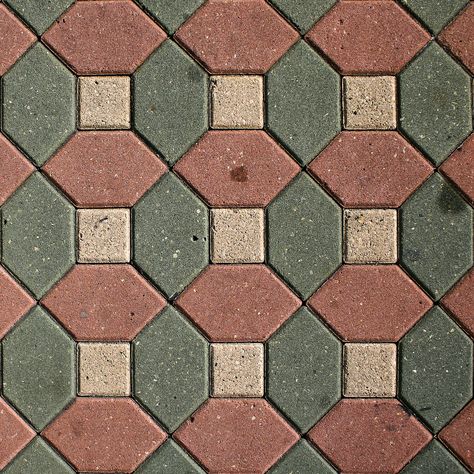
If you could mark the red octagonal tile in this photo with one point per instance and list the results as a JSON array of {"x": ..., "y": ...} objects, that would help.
[
  {"x": 370, "y": 302},
  {"x": 104, "y": 435},
  {"x": 238, "y": 302},
  {"x": 241, "y": 436},
  {"x": 103, "y": 302},
  {"x": 237, "y": 168}
]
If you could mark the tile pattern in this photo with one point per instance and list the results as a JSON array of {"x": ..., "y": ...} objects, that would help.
[{"x": 236, "y": 236}]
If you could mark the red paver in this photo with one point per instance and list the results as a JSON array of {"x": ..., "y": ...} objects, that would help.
[
  {"x": 104, "y": 302},
  {"x": 369, "y": 436},
  {"x": 14, "y": 302},
  {"x": 237, "y": 168},
  {"x": 370, "y": 169},
  {"x": 104, "y": 434},
  {"x": 105, "y": 169},
  {"x": 243, "y": 436},
  {"x": 238, "y": 303},
  {"x": 459, "y": 37},
  {"x": 15, "y": 168},
  {"x": 459, "y": 167},
  {"x": 242, "y": 36},
  {"x": 104, "y": 37},
  {"x": 374, "y": 36},
  {"x": 15, "y": 434},
  {"x": 15, "y": 39},
  {"x": 363, "y": 303}
]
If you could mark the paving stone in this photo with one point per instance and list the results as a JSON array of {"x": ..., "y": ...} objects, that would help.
[
  {"x": 237, "y": 101},
  {"x": 370, "y": 169},
  {"x": 171, "y": 368},
  {"x": 103, "y": 302},
  {"x": 244, "y": 37},
  {"x": 237, "y": 168},
  {"x": 173, "y": 256},
  {"x": 171, "y": 101},
  {"x": 237, "y": 235},
  {"x": 301, "y": 89},
  {"x": 368, "y": 37},
  {"x": 233, "y": 436},
  {"x": 237, "y": 370},
  {"x": 435, "y": 103},
  {"x": 305, "y": 356},
  {"x": 94, "y": 169},
  {"x": 436, "y": 227},
  {"x": 104, "y": 434},
  {"x": 104, "y": 369},
  {"x": 38, "y": 234},
  {"x": 436, "y": 364},
  {"x": 39, "y": 369},
  {"x": 104, "y": 37},
  {"x": 304, "y": 235},
  {"x": 369, "y": 436},
  {"x": 354, "y": 299},
  {"x": 238, "y": 303},
  {"x": 39, "y": 103}
]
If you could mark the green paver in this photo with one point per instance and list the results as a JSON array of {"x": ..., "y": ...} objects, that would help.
[
  {"x": 38, "y": 458},
  {"x": 435, "y": 103},
  {"x": 434, "y": 459},
  {"x": 304, "y": 369},
  {"x": 39, "y": 375},
  {"x": 304, "y": 235},
  {"x": 171, "y": 368},
  {"x": 39, "y": 103},
  {"x": 38, "y": 234},
  {"x": 303, "y": 102},
  {"x": 171, "y": 228},
  {"x": 169, "y": 459},
  {"x": 171, "y": 96},
  {"x": 436, "y": 235},
  {"x": 302, "y": 459},
  {"x": 436, "y": 368}
]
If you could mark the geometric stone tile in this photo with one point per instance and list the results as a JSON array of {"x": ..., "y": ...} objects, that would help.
[
  {"x": 103, "y": 302},
  {"x": 364, "y": 303},
  {"x": 304, "y": 369},
  {"x": 39, "y": 103},
  {"x": 369, "y": 436},
  {"x": 39, "y": 367},
  {"x": 368, "y": 37},
  {"x": 370, "y": 169},
  {"x": 435, "y": 103},
  {"x": 104, "y": 434},
  {"x": 171, "y": 228},
  {"x": 104, "y": 37},
  {"x": 304, "y": 235},
  {"x": 237, "y": 37},
  {"x": 436, "y": 229},
  {"x": 171, "y": 368},
  {"x": 95, "y": 170},
  {"x": 237, "y": 168},
  {"x": 436, "y": 364},
  {"x": 238, "y": 303},
  {"x": 301, "y": 89},
  {"x": 236, "y": 435}
]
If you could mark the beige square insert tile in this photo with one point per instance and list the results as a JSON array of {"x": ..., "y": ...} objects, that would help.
[
  {"x": 370, "y": 370},
  {"x": 370, "y": 235},
  {"x": 237, "y": 102},
  {"x": 237, "y": 236},
  {"x": 103, "y": 235},
  {"x": 370, "y": 103},
  {"x": 104, "y": 368},
  {"x": 104, "y": 102},
  {"x": 237, "y": 370}
]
